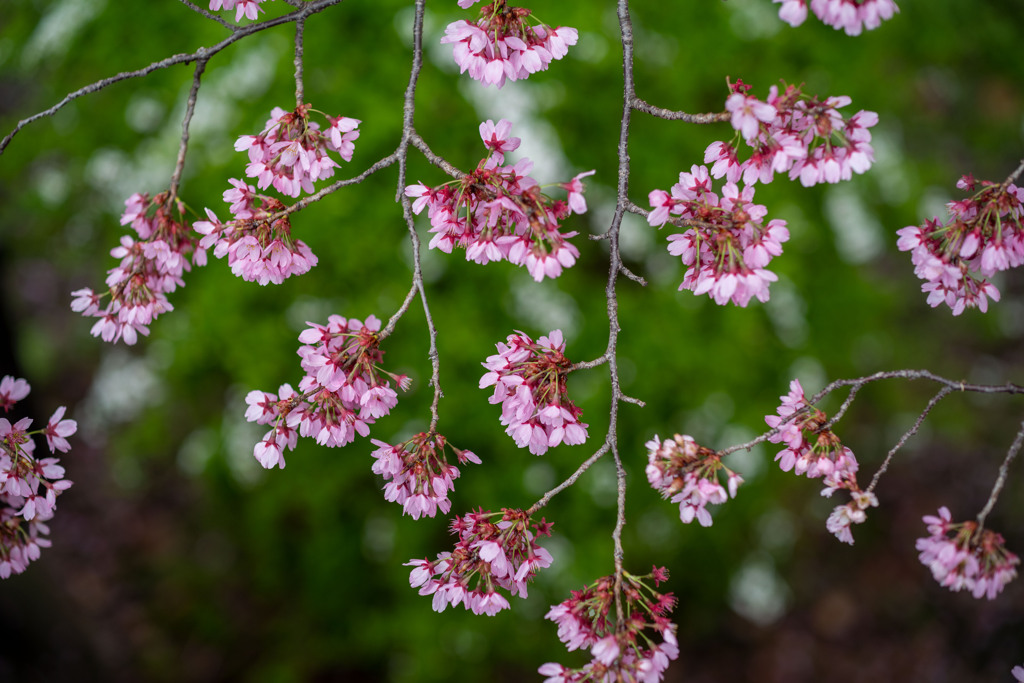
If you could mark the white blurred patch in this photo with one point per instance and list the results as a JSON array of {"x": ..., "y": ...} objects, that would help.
[
  {"x": 748, "y": 464},
  {"x": 811, "y": 374},
  {"x": 240, "y": 437},
  {"x": 602, "y": 482},
  {"x": 757, "y": 592},
  {"x": 123, "y": 387},
  {"x": 143, "y": 113},
  {"x": 538, "y": 478},
  {"x": 196, "y": 451},
  {"x": 51, "y": 184},
  {"x": 859, "y": 234},
  {"x": 544, "y": 306},
  {"x": 754, "y": 19},
  {"x": 56, "y": 30},
  {"x": 788, "y": 313}
]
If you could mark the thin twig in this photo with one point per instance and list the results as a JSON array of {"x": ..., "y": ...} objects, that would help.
[
  {"x": 190, "y": 107},
  {"x": 662, "y": 113},
  {"x": 586, "y": 465},
  {"x": 1001, "y": 479},
  {"x": 943, "y": 392},
  {"x": 408, "y": 134},
  {"x": 337, "y": 185},
  {"x": 209, "y": 15},
  {"x": 420, "y": 144},
  {"x": 1013, "y": 176},
  {"x": 300, "y": 27}
]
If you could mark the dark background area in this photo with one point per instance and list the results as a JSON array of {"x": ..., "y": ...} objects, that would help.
[{"x": 175, "y": 557}]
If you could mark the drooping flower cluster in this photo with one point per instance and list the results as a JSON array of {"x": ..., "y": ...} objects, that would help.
[
  {"x": 852, "y": 16},
  {"x": 343, "y": 392},
  {"x": 727, "y": 246},
  {"x": 150, "y": 268},
  {"x": 249, "y": 9},
  {"x": 499, "y": 212},
  {"x": 418, "y": 474},
  {"x": 29, "y": 486},
  {"x": 588, "y": 620},
  {"x": 494, "y": 550},
  {"x": 501, "y": 44},
  {"x": 687, "y": 473},
  {"x": 962, "y": 557},
  {"x": 258, "y": 243},
  {"x": 292, "y": 151},
  {"x": 982, "y": 236},
  {"x": 815, "y": 450},
  {"x": 530, "y": 381},
  {"x": 792, "y": 133}
]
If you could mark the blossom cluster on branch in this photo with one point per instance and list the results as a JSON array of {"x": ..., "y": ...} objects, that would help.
[
  {"x": 494, "y": 550},
  {"x": 343, "y": 391},
  {"x": 501, "y": 45},
  {"x": 150, "y": 268},
  {"x": 852, "y": 16},
  {"x": 621, "y": 650},
  {"x": 29, "y": 485},
  {"x": 530, "y": 381},
  {"x": 982, "y": 236},
  {"x": 966, "y": 557},
  {"x": 500, "y": 213}
]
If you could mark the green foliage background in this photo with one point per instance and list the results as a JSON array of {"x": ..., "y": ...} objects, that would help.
[{"x": 176, "y": 558}]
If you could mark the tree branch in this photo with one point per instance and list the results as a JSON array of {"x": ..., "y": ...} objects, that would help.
[{"x": 202, "y": 53}]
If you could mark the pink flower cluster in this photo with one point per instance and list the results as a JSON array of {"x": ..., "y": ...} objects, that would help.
[
  {"x": 792, "y": 133},
  {"x": 530, "y": 381},
  {"x": 494, "y": 550},
  {"x": 499, "y": 212},
  {"x": 813, "y": 449},
  {"x": 29, "y": 486},
  {"x": 501, "y": 45},
  {"x": 727, "y": 246},
  {"x": 418, "y": 474},
  {"x": 258, "y": 243},
  {"x": 971, "y": 559},
  {"x": 982, "y": 236},
  {"x": 342, "y": 393},
  {"x": 150, "y": 268},
  {"x": 687, "y": 473},
  {"x": 587, "y": 620},
  {"x": 852, "y": 16},
  {"x": 243, "y": 8},
  {"x": 292, "y": 151}
]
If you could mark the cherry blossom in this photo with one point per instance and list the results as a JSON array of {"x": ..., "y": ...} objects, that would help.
[
  {"x": 793, "y": 133},
  {"x": 500, "y": 213},
  {"x": 852, "y": 16},
  {"x": 243, "y": 8},
  {"x": 258, "y": 244},
  {"x": 972, "y": 559},
  {"x": 149, "y": 269},
  {"x": 29, "y": 486},
  {"x": 530, "y": 382},
  {"x": 418, "y": 474},
  {"x": 343, "y": 391},
  {"x": 292, "y": 152},
  {"x": 687, "y": 473},
  {"x": 494, "y": 550},
  {"x": 981, "y": 237},
  {"x": 626, "y": 653},
  {"x": 812, "y": 448},
  {"x": 501, "y": 44},
  {"x": 727, "y": 246}
]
